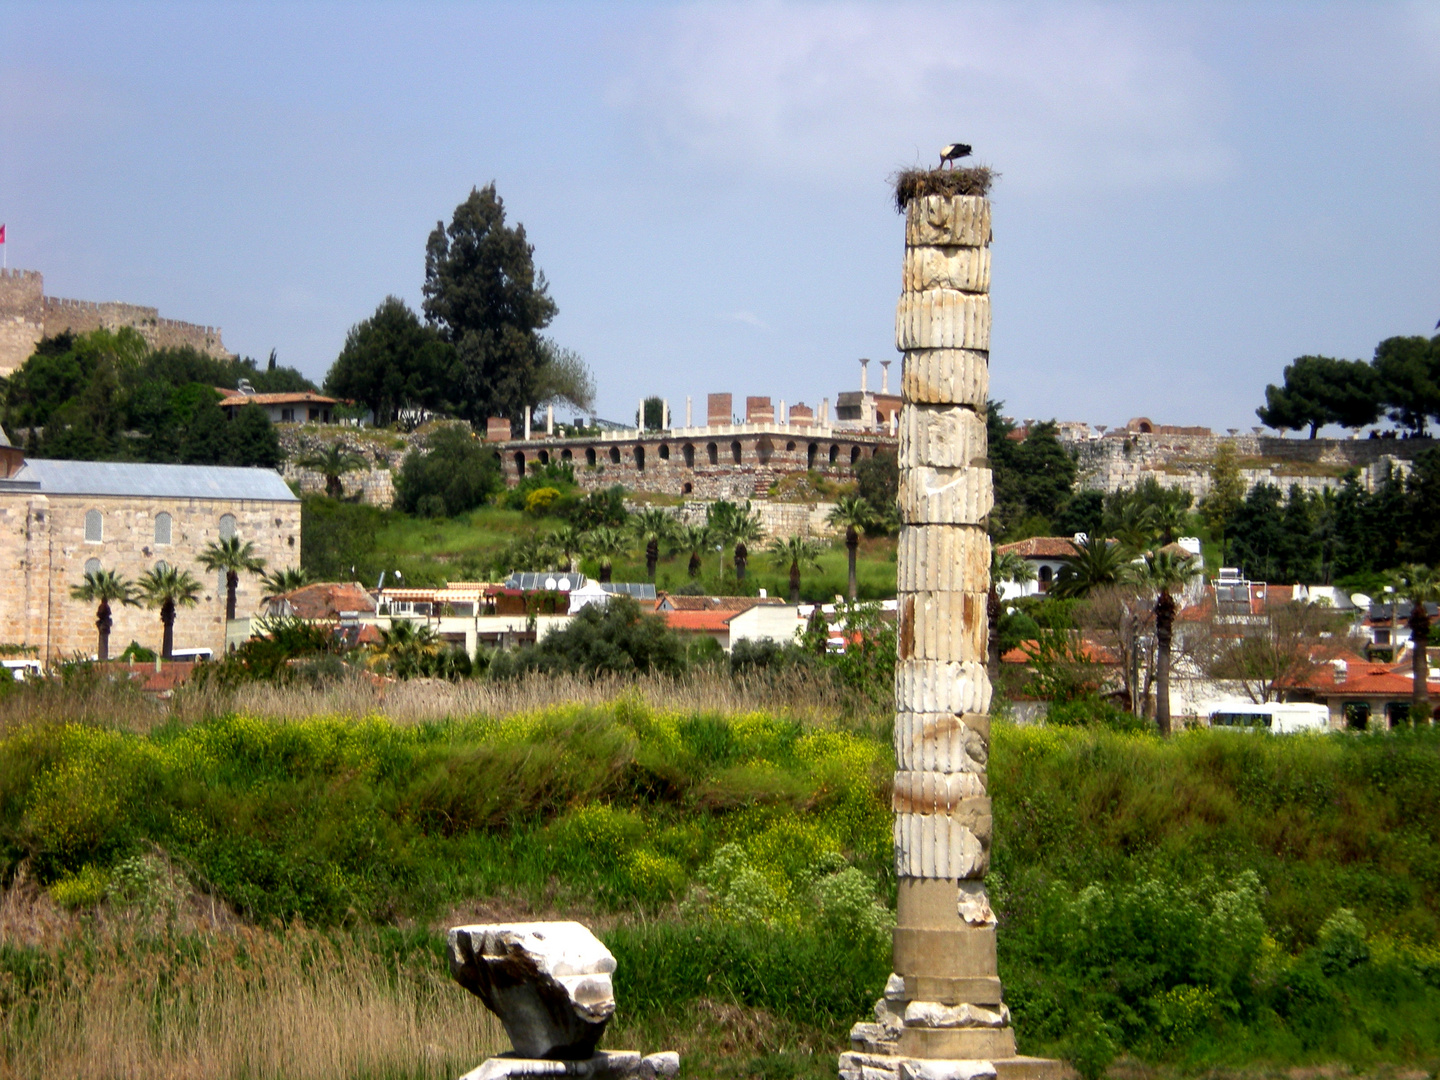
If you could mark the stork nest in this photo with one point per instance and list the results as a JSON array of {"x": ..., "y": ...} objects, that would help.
[{"x": 916, "y": 183}]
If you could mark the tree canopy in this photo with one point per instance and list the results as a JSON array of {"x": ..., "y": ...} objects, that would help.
[
  {"x": 489, "y": 301},
  {"x": 106, "y": 396},
  {"x": 392, "y": 362},
  {"x": 1401, "y": 382}
]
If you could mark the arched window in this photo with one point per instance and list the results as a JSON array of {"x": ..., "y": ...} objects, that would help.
[
  {"x": 590, "y": 456},
  {"x": 735, "y": 451},
  {"x": 520, "y": 464},
  {"x": 714, "y": 452},
  {"x": 763, "y": 449},
  {"x": 161, "y": 566},
  {"x": 92, "y": 566},
  {"x": 854, "y": 454},
  {"x": 640, "y": 458},
  {"x": 544, "y": 457},
  {"x": 834, "y": 454},
  {"x": 789, "y": 447},
  {"x": 162, "y": 528},
  {"x": 614, "y": 455},
  {"x": 810, "y": 454},
  {"x": 227, "y": 526},
  {"x": 565, "y": 454},
  {"x": 94, "y": 527},
  {"x": 689, "y": 455},
  {"x": 664, "y": 451}
]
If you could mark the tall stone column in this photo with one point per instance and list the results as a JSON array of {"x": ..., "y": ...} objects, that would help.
[{"x": 943, "y": 1015}]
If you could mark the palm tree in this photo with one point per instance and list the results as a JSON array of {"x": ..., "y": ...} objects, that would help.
[
  {"x": 1003, "y": 567},
  {"x": 1097, "y": 562},
  {"x": 569, "y": 542},
  {"x": 232, "y": 556},
  {"x": 102, "y": 587},
  {"x": 795, "y": 550},
  {"x": 1166, "y": 573},
  {"x": 286, "y": 580},
  {"x": 856, "y": 515},
  {"x": 652, "y": 527},
  {"x": 605, "y": 542},
  {"x": 1420, "y": 585},
  {"x": 333, "y": 462},
  {"x": 744, "y": 530},
  {"x": 1169, "y": 518},
  {"x": 168, "y": 589},
  {"x": 692, "y": 539},
  {"x": 406, "y": 649},
  {"x": 1133, "y": 524},
  {"x": 720, "y": 518}
]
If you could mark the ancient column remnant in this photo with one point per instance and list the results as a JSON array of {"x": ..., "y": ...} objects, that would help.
[{"x": 943, "y": 1016}]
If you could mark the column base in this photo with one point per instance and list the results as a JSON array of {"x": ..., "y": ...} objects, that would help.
[{"x": 859, "y": 1065}]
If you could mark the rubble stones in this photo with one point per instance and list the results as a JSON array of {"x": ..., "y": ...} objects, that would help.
[{"x": 549, "y": 983}]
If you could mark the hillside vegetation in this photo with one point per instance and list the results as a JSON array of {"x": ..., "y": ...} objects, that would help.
[{"x": 1215, "y": 900}]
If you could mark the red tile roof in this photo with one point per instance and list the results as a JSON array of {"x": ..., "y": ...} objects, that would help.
[
  {"x": 325, "y": 600},
  {"x": 714, "y": 603},
  {"x": 1361, "y": 679},
  {"x": 711, "y": 622},
  {"x": 1041, "y": 547},
  {"x": 234, "y": 397},
  {"x": 1026, "y": 650}
]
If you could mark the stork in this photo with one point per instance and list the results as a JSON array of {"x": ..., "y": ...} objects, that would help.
[{"x": 954, "y": 152}]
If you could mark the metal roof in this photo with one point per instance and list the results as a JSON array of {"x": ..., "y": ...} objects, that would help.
[
  {"x": 152, "y": 481},
  {"x": 534, "y": 582},
  {"x": 638, "y": 590}
]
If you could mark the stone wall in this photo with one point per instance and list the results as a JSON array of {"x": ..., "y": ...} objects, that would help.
[
  {"x": 27, "y": 315},
  {"x": 1183, "y": 461},
  {"x": 43, "y": 553},
  {"x": 740, "y": 461},
  {"x": 777, "y": 519},
  {"x": 382, "y": 450}
]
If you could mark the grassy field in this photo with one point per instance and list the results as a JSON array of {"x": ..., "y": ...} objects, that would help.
[
  {"x": 432, "y": 551},
  {"x": 244, "y": 864}
]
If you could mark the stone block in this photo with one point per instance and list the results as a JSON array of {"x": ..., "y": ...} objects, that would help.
[
  {"x": 947, "y": 221},
  {"x": 938, "y": 686},
  {"x": 984, "y": 1043},
  {"x": 953, "y": 496},
  {"x": 943, "y": 558},
  {"x": 548, "y": 982},
  {"x": 942, "y": 319},
  {"x": 946, "y": 377},
  {"x": 965, "y": 269},
  {"x": 942, "y": 846},
  {"x": 946, "y": 1070},
  {"x": 943, "y": 793},
  {"x": 943, "y": 626},
  {"x": 948, "y": 954},
  {"x": 933, "y": 1014},
  {"x": 942, "y": 436},
  {"x": 941, "y": 743},
  {"x": 859, "y": 1065},
  {"x": 982, "y": 990}
]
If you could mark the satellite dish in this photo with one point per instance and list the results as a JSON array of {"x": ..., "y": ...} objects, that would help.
[{"x": 1360, "y": 600}]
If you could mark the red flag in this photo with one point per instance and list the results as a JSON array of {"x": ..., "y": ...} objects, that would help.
[{"x": 2, "y": 234}]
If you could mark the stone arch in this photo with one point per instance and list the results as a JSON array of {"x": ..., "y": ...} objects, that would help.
[
  {"x": 854, "y": 454},
  {"x": 664, "y": 451},
  {"x": 94, "y": 527},
  {"x": 544, "y": 457},
  {"x": 763, "y": 450},
  {"x": 228, "y": 526},
  {"x": 811, "y": 452},
  {"x": 689, "y": 453},
  {"x": 688, "y": 488},
  {"x": 714, "y": 452},
  {"x": 590, "y": 456},
  {"x": 735, "y": 452},
  {"x": 614, "y": 455},
  {"x": 566, "y": 455},
  {"x": 640, "y": 459},
  {"x": 520, "y": 463},
  {"x": 834, "y": 453},
  {"x": 790, "y": 447},
  {"x": 163, "y": 524}
]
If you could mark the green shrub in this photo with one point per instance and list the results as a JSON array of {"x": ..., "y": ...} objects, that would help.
[
  {"x": 616, "y": 638},
  {"x": 454, "y": 466}
]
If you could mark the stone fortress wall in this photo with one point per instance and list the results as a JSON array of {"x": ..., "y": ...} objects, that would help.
[
  {"x": 1183, "y": 460},
  {"x": 27, "y": 315}
]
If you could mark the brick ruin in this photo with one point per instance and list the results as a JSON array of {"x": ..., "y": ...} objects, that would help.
[{"x": 27, "y": 315}]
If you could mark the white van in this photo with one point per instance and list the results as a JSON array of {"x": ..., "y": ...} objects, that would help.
[
  {"x": 20, "y": 670},
  {"x": 194, "y": 655},
  {"x": 1275, "y": 717}
]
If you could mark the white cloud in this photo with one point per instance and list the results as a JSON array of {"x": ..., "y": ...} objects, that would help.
[{"x": 1053, "y": 95}]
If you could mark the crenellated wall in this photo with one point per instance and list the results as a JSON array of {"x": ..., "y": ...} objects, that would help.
[{"x": 27, "y": 315}]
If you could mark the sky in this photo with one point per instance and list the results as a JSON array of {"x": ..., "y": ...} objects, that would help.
[{"x": 1190, "y": 195}]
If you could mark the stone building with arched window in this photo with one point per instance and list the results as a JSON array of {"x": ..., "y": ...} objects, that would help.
[{"x": 60, "y": 519}]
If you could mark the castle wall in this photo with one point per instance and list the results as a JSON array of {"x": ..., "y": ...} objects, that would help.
[
  {"x": 43, "y": 552},
  {"x": 27, "y": 315}
]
